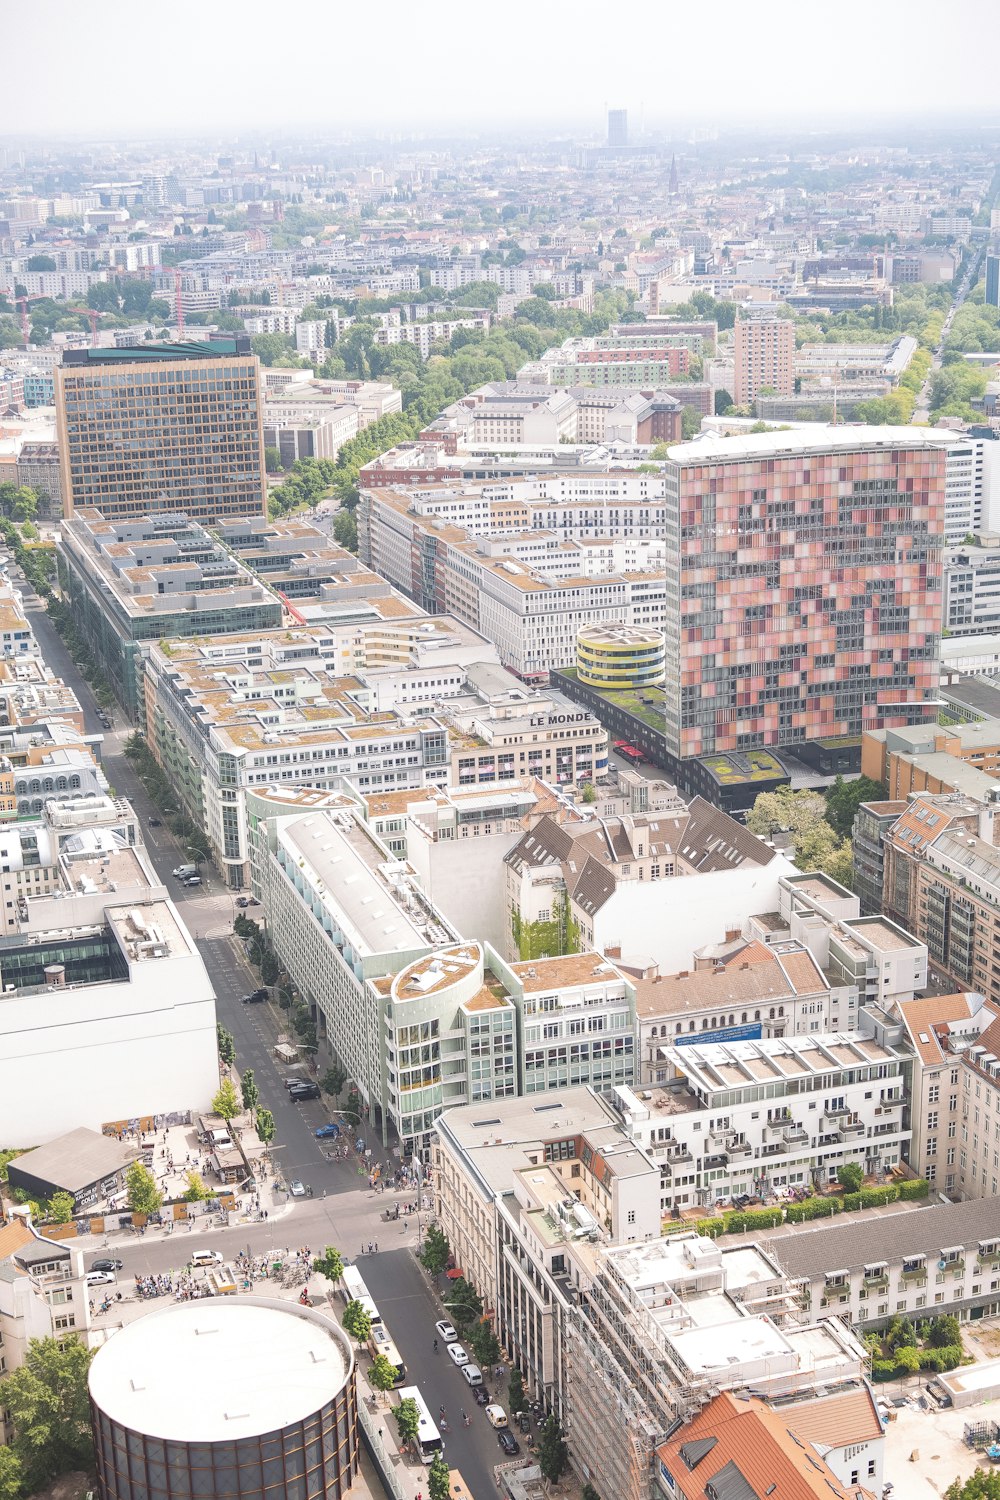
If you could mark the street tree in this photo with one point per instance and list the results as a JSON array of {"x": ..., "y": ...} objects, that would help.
[
  {"x": 272, "y": 460},
  {"x": 464, "y": 1304},
  {"x": 407, "y": 1419},
  {"x": 436, "y": 1253},
  {"x": 225, "y": 1102},
  {"x": 250, "y": 1091},
  {"x": 439, "y": 1478},
  {"x": 226, "y": 1043},
  {"x": 11, "y": 1475},
  {"x": 485, "y": 1344},
  {"x": 982, "y": 1485},
  {"x": 333, "y": 1080},
  {"x": 552, "y": 1452},
  {"x": 382, "y": 1374},
  {"x": 851, "y": 1176},
  {"x": 46, "y": 1399},
  {"x": 330, "y": 1264},
  {"x": 61, "y": 1206},
  {"x": 142, "y": 1194},
  {"x": 357, "y": 1321},
  {"x": 196, "y": 1192},
  {"x": 265, "y": 1126},
  {"x": 845, "y": 797},
  {"x": 515, "y": 1390}
]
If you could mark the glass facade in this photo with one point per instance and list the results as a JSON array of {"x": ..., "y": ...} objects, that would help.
[
  {"x": 804, "y": 601},
  {"x": 178, "y": 435}
]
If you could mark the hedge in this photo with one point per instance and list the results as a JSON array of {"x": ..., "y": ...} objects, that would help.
[
  {"x": 814, "y": 1208},
  {"x": 738, "y": 1221}
]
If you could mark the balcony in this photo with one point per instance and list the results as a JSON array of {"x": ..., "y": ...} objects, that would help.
[
  {"x": 738, "y": 1148},
  {"x": 795, "y": 1135},
  {"x": 848, "y": 1129},
  {"x": 773, "y": 1148}
]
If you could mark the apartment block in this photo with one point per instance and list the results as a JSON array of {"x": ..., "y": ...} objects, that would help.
[
  {"x": 943, "y": 1260},
  {"x": 764, "y": 354},
  {"x": 724, "y": 1130},
  {"x": 162, "y": 428},
  {"x": 133, "y": 582},
  {"x": 972, "y": 590},
  {"x": 804, "y": 573},
  {"x": 610, "y": 880},
  {"x": 42, "y": 1294},
  {"x": 228, "y": 714},
  {"x": 963, "y": 758},
  {"x": 434, "y": 547}
]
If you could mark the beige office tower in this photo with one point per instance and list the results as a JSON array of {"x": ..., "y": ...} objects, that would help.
[{"x": 162, "y": 428}]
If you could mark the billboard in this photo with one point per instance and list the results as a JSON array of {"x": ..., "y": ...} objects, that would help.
[{"x": 749, "y": 1033}]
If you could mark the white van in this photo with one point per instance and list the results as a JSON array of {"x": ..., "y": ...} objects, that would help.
[
  {"x": 473, "y": 1374},
  {"x": 184, "y": 872}
]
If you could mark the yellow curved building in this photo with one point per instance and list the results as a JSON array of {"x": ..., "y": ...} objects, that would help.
[{"x": 620, "y": 656}]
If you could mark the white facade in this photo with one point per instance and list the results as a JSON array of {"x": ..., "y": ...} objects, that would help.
[
  {"x": 141, "y": 1040},
  {"x": 665, "y": 921},
  {"x": 756, "y": 1117},
  {"x": 42, "y": 1296}
]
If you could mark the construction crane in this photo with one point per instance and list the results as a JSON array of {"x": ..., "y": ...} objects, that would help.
[
  {"x": 22, "y": 302},
  {"x": 93, "y": 315},
  {"x": 178, "y": 304}
]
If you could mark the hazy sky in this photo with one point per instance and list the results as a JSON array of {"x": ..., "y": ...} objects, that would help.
[{"x": 132, "y": 69}]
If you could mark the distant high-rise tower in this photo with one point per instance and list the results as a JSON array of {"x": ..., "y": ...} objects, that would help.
[
  {"x": 674, "y": 184},
  {"x": 617, "y": 128},
  {"x": 993, "y": 280},
  {"x": 764, "y": 350}
]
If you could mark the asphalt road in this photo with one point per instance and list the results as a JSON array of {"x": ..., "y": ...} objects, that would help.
[{"x": 405, "y": 1300}]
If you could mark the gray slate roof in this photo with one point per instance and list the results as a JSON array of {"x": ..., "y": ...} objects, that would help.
[{"x": 811, "y": 1252}]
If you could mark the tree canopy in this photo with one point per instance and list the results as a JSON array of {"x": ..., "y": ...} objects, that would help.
[
  {"x": 46, "y": 1398},
  {"x": 225, "y": 1101},
  {"x": 142, "y": 1194},
  {"x": 803, "y": 816}
]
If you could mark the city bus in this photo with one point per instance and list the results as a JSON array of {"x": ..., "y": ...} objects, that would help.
[
  {"x": 353, "y": 1289},
  {"x": 428, "y": 1437},
  {"x": 379, "y": 1342}
]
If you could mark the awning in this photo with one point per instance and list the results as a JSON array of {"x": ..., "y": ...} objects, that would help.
[{"x": 455, "y": 1274}]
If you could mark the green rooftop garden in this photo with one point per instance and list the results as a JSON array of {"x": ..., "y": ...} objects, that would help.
[
  {"x": 763, "y": 767},
  {"x": 645, "y": 703}
]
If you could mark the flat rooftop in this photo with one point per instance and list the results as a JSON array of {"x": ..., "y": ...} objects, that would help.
[
  {"x": 713, "y": 448},
  {"x": 810, "y": 1252},
  {"x": 282, "y": 1363},
  {"x": 343, "y": 861}
]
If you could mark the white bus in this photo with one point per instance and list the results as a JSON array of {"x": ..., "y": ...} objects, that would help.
[
  {"x": 379, "y": 1342},
  {"x": 428, "y": 1437},
  {"x": 353, "y": 1289}
]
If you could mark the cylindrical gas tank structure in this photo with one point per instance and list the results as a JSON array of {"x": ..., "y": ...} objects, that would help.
[{"x": 242, "y": 1397}]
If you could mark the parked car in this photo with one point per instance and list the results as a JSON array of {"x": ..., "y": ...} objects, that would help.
[
  {"x": 508, "y": 1442},
  {"x": 206, "y": 1258},
  {"x": 482, "y": 1395},
  {"x": 496, "y": 1416},
  {"x": 255, "y": 997},
  {"x": 107, "y": 1264},
  {"x": 473, "y": 1375},
  {"x": 192, "y": 880},
  {"x": 327, "y": 1132},
  {"x": 457, "y": 1354},
  {"x": 99, "y": 1278},
  {"x": 245, "y": 901},
  {"x": 524, "y": 1421},
  {"x": 305, "y": 1091},
  {"x": 446, "y": 1331},
  {"x": 296, "y": 1189},
  {"x": 156, "y": 822},
  {"x": 296, "y": 1081}
]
